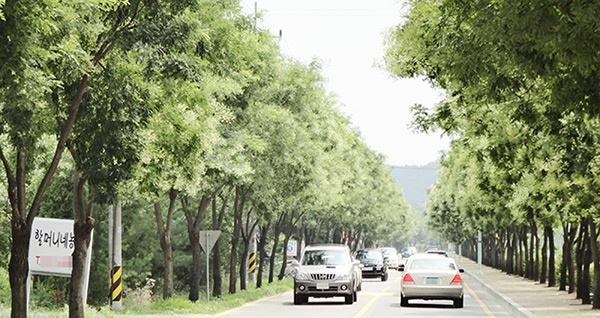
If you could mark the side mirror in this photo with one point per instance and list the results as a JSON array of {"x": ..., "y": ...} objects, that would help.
[
  {"x": 294, "y": 263},
  {"x": 401, "y": 268},
  {"x": 461, "y": 270}
]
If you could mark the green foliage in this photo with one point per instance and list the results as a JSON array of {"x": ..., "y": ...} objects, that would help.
[
  {"x": 4, "y": 286},
  {"x": 181, "y": 305},
  {"x": 188, "y": 96},
  {"x": 4, "y": 238},
  {"x": 49, "y": 292}
]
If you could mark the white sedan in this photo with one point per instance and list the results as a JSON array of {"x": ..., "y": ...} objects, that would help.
[{"x": 431, "y": 277}]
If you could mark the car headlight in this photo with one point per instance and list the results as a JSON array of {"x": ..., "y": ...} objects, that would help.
[
  {"x": 300, "y": 275},
  {"x": 344, "y": 276}
]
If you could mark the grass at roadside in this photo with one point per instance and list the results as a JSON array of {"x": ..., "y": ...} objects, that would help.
[{"x": 178, "y": 305}]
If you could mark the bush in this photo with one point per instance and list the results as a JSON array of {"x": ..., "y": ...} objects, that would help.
[
  {"x": 4, "y": 287},
  {"x": 49, "y": 292}
]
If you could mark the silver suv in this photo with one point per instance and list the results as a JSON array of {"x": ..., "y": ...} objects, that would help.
[{"x": 326, "y": 271}]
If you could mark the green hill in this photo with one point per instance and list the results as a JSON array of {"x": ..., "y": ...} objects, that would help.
[{"x": 414, "y": 182}]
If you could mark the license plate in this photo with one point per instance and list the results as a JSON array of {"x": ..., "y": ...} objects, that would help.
[
  {"x": 432, "y": 280},
  {"x": 367, "y": 269},
  {"x": 322, "y": 286}
]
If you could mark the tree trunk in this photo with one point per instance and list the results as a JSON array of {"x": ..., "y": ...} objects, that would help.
[
  {"x": 276, "y": 231},
  {"x": 247, "y": 228},
  {"x": 235, "y": 239},
  {"x": 523, "y": 252},
  {"x": 530, "y": 260},
  {"x": 194, "y": 293},
  {"x": 244, "y": 265},
  {"x": 217, "y": 223},
  {"x": 501, "y": 254},
  {"x": 510, "y": 257},
  {"x": 587, "y": 257},
  {"x": 18, "y": 267},
  {"x": 82, "y": 230},
  {"x": 21, "y": 220},
  {"x": 290, "y": 228},
  {"x": 217, "y": 277},
  {"x": 596, "y": 261},
  {"x": 571, "y": 263},
  {"x": 262, "y": 253},
  {"x": 537, "y": 261},
  {"x": 579, "y": 251},
  {"x": 193, "y": 226},
  {"x": 565, "y": 259},
  {"x": 164, "y": 234},
  {"x": 544, "y": 271},
  {"x": 284, "y": 263},
  {"x": 233, "y": 259},
  {"x": 551, "y": 258}
]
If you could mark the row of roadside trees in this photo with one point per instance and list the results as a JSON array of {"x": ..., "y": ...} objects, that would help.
[
  {"x": 191, "y": 119},
  {"x": 522, "y": 106}
]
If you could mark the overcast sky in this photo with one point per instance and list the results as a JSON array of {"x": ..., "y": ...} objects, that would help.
[{"x": 347, "y": 37}]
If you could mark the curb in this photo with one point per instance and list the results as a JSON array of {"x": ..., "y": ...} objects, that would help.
[{"x": 512, "y": 306}]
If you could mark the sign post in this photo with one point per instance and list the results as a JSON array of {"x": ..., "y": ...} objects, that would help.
[
  {"x": 207, "y": 241},
  {"x": 51, "y": 248},
  {"x": 292, "y": 248}
]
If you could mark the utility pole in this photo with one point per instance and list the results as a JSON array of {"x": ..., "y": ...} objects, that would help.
[
  {"x": 479, "y": 256},
  {"x": 252, "y": 258},
  {"x": 114, "y": 256},
  {"x": 255, "y": 14}
]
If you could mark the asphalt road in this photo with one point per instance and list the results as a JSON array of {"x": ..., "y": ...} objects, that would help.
[{"x": 376, "y": 300}]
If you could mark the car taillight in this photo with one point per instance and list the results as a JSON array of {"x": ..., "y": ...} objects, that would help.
[
  {"x": 456, "y": 280},
  {"x": 407, "y": 278}
]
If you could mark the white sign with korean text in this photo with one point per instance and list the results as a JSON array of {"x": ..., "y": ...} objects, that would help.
[{"x": 51, "y": 247}]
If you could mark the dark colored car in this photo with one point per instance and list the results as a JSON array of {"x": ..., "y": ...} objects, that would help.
[
  {"x": 374, "y": 263},
  {"x": 408, "y": 251}
]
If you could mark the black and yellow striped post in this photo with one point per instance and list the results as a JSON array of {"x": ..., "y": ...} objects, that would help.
[
  {"x": 114, "y": 257},
  {"x": 252, "y": 263},
  {"x": 116, "y": 285}
]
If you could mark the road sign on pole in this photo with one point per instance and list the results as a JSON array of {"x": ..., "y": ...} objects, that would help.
[
  {"x": 207, "y": 241},
  {"x": 292, "y": 248}
]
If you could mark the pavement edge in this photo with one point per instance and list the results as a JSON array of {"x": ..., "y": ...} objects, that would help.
[{"x": 510, "y": 304}]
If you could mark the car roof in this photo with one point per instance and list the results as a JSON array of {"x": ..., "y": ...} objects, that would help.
[
  {"x": 435, "y": 251},
  {"x": 327, "y": 246},
  {"x": 429, "y": 256}
]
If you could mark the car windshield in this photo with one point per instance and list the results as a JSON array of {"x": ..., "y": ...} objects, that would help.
[
  {"x": 369, "y": 254},
  {"x": 388, "y": 251},
  {"x": 433, "y": 264},
  {"x": 325, "y": 257}
]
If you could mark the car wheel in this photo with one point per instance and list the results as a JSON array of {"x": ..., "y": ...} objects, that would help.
[
  {"x": 459, "y": 302},
  {"x": 349, "y": 299},
  {"x": 403, "y": 301},
  {"x": 300, "y": 299},
  {"x": 384, "y": 277}
]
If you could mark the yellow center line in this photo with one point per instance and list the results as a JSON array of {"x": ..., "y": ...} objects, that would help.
[
  {"x": 480, "y": 302},
  {"x": 366, "y": 307}
]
